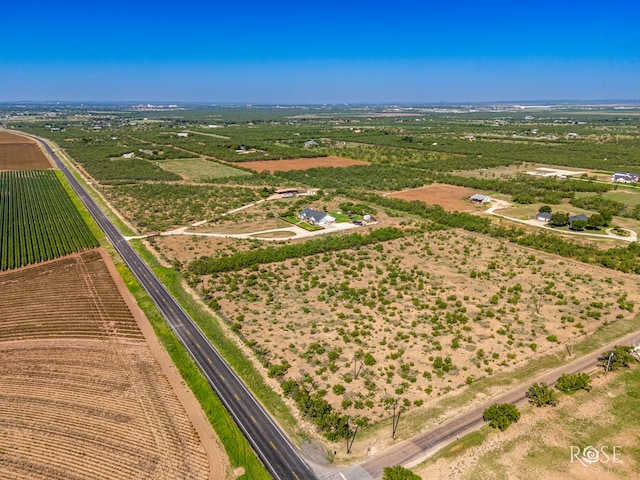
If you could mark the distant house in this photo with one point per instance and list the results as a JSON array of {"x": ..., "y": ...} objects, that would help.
[
  {"x": 543, "y": 216},
  {"x": 182, "y": 134},
  {"x": 146, "y": 152},
  {"x": 310, "y": 143},
  {"x": 625, "y": 177},
  {"x": 315, "y": 217},
  {"x": 128, "y": 155},
  {"x": 479, "y": 198},
  {"x": 580, "y": 216}
]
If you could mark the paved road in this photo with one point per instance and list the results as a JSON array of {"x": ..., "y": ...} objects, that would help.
[
  {"x": 278, "y": 454},
  {"x": 273, "y": 448},
  {"x": 412, "y": 452}
]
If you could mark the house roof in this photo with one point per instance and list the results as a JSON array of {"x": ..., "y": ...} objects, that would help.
[
  {"x": 312, "y": 215},
  {"x": 580, "y": 216},
  {"x": 544, "y": 215},
  {"x": 478, "y": 197},
  {"x": 626, "y": 175}
]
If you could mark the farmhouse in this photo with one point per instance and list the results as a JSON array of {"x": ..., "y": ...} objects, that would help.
[
  {"x": 543, "y": 216},
  {"x": 315, "y": 217},
  {"x": 479, "y": 198},
  {"x": 182, "y": 134},
  {"x": 128, "y": 155},
  {"x": 310, "y": 143},
  {"x": 625, "y": 177}
]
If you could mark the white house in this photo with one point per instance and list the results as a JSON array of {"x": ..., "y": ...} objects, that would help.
[
  {"x": 182, "y": 134},
  {"x": 315, "y": 217},
  {"x": 625, "y": 177}
]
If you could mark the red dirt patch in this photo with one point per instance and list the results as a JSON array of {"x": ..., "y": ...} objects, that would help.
[
  {"x": 300, "y": 164},
  {"x": 449, "y": 197},
  {"x": 21, "y": 153},
  {"x": 8, "y": 137}
]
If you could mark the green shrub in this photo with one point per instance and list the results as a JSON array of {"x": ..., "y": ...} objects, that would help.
[
  {"x": 501, "y": 415},
  {"x": 540, "y": 394},
  {"x": 569, "y": 383}
]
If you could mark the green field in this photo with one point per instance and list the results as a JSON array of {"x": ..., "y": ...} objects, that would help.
[
  {"x": 38, "y": 220},
  {"x": 198, "y": 170}
]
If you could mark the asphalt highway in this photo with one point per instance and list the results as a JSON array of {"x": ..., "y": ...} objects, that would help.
[{"x": 276, "y": 452}]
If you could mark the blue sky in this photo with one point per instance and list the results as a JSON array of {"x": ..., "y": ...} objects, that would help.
[{"x": 320, "y": 52}]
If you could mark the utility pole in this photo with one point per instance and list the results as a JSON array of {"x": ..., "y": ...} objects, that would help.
[
  {"x": 395, "y": 420},
  {"x": 356, "y": 370},
  {"x": 608, "y": 362},
  {"x": 351, "y": 438}
]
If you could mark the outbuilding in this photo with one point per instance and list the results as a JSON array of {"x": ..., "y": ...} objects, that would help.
[{"x": 480, "y": 198}]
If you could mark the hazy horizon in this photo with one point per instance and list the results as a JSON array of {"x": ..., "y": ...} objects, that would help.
[{"x": 355, "y": 53}]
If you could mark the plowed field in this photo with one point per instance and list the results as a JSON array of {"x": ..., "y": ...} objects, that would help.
[
  {"x": 300, "y": 164},
  {"x": 449, "y": 197},
  {"x": 82, "y": 395},
  {"x": 21, "y": 153}
]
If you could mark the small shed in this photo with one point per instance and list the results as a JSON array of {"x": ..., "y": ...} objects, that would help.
[
  {"x": 480, "y": 198},
  {"x": 287, "y": 192},
  {"x": 543, "y": 216}
]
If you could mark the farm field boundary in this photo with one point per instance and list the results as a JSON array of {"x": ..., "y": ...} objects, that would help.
[
  {"x": 38, "y": 220},
  {"x": 82, "y": 391}
]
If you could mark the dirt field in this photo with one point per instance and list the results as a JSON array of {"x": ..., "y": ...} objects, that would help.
[
  {"x": 449, "y": 197},
  {"x": 300, "y": 164},
  {"x": 83, "y": 392},
  {"x": 21, "y": 153},
  {"x": 434, "y": 313}
]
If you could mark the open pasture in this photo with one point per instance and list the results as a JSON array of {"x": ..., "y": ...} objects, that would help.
[{"x": 199, "y": 169}]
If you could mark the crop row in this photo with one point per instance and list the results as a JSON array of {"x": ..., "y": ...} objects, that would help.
[{"x": 38, "y": 220}]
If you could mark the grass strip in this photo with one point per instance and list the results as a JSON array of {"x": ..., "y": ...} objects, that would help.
[
  {"x": 237, "y": 448},
  {"x": 211, "y": 327}
]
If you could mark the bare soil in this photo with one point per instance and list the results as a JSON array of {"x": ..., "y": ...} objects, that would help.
[
  {"x": 449, "y": 197},
  {"x": 21, "y": 153},
  {"x": 83, "y": 393},
  {"x": 300, "y": 164}
]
